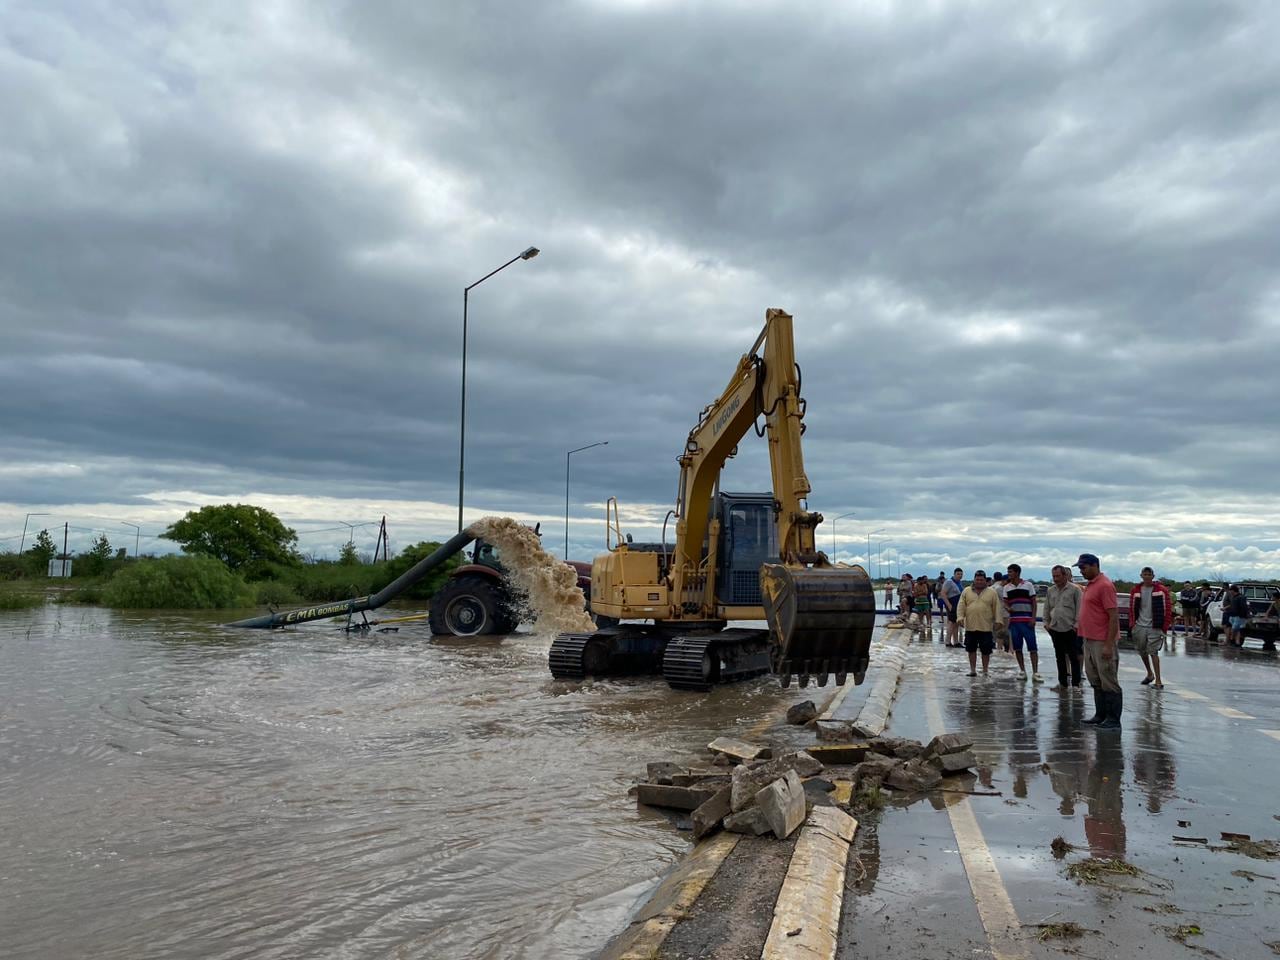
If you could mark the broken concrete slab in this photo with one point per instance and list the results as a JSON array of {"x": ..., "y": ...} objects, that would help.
[
  {"x": 818, "y": 792},
  {"x": 750, "y": 821},
  {"x": 739, "y": 750},
  {"x": 708, "y": 816},
  {"x": 708, "y": 778},
  {"x": 783, "y": 805},
  {"x": 801, "y": 713},
  {"x": 749, "y": 780},
  {"x": 677, "y": 798},
  {"x": 839, "y": 754},
  {"x": 945, "y": 743},
  {"x": 662, "y": 772},
  {"x": 914, "y": 776},
  {"x": 949, "y": 764},
  {"x": 835, "y": 822},
  {"x": 874, "y": 770},
  {"x": 838, "y": 731},
  {"x": 899, "y": 747}
]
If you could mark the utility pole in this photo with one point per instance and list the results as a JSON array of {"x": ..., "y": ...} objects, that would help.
[{"x": 65, "y": 527}]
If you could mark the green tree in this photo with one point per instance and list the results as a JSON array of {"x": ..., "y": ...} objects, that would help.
[
  {"x": 238, "y": 534},
  {"x": 40, "y": 553},
  {"x": 94, "y": 560},
  {"x": 425, "y": 588},
  {"x": 348, "y": 556}
]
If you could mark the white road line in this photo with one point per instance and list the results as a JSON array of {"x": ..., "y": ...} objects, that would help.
[
  {"x": 1274, "y": 734},
  {"x": 995, "y": 909},
  {"x": 1231, "y": 712}
]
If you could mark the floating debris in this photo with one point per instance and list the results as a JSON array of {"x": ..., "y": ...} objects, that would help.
[
  {"x": 1069, "y": 930},
  {"x": 1186, "y": 930},
  {"x": 1257, "y": 849},
  {"x": 1060, "y": 848}
]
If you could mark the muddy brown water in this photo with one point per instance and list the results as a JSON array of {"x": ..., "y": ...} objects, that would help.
[{"x": 171, "y": 788}]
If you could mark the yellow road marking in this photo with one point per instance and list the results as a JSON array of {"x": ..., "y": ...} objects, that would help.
[
  {"x": 843, "y": 792},
  {"x": 1189, "y": 694},
  {"x": 995, "y": 909},
  {"x": 1231, "y": 712},
  {"x": 672, "y": 900},
  {"x": 806, "y": 917}
]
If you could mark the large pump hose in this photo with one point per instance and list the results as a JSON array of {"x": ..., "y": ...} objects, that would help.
[{"x": 373, "y": 601}]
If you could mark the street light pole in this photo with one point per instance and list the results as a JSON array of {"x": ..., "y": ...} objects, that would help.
[
  {"x": 601, "y": 443},
  {"x": 528, "y": 254},
  {"x": 137, "y": 535},
  {"x": 869, "y": 536},
  {"x": 879, "y": 554},
  {"x": 833, "y": 533},
  {"x": 23, "y": 542}
]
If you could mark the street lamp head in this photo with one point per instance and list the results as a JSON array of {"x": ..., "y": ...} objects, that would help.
[{"x": 530, "y": 253}]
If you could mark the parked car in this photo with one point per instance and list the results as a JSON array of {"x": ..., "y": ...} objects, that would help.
[{"x": 1258, "y": 626}]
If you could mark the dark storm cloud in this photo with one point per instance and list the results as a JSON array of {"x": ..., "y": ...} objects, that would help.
[{"x": 1029, "y": 248}]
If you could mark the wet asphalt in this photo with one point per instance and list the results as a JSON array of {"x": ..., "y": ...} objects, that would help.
[{"x": 1192, "y": 760}]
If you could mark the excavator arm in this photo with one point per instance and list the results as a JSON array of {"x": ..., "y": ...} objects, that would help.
[{"x": 820, "y": 617}]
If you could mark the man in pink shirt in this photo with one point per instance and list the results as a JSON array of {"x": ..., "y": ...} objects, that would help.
[{"x": 1099, "y": 628}]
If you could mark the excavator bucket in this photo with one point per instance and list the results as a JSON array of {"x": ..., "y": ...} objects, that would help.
[{"x": 821, "y": 621}]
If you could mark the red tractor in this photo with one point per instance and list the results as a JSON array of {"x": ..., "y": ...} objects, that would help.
[{"x": 476, "y": 600}]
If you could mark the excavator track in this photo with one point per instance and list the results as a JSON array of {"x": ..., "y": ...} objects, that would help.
[
  {"x": 702, "y": 662},
  {"x": 621, "y": 650},
  {"x": 567, "y": 658}
]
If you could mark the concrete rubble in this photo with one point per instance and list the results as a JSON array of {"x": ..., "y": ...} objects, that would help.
[{"x": 750, "y": 790}]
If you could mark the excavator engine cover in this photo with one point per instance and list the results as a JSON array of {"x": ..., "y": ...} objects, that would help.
[{"x": 821, "y": 620}]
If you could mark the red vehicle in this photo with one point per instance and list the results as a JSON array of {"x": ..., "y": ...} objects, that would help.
[{"x": 476, "y": 600}]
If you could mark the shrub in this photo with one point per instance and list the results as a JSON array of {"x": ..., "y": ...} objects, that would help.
[
  {"x": 177, "y": 583},
  {"x": 274, "y": 593},
  {"x": 19, "y": 601}
]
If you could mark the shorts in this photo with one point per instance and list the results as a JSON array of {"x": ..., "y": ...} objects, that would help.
[
  {"x": 1148, "y": 640},
  {"x": 1237, "y": 623},
  {"x": 1190, "y": 611},
  {"x": 1021, "y": 633},
  {"x": 922, "y": 605},
  {"x": 951, "y": 614},
  {"x": 975, "y": 640}
]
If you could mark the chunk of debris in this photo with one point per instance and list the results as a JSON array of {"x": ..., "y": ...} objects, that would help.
[
  {"x": 748, "y": 780},
  {"x": 899, "y": 747},
  {"x": 662, "y": 772},
  {"x": 750, "y": 821},
  {"x": 1060, "y": 848},
  {"x": 949, "y": 764},
  {"x": 1068, "y": 930},
  {"x": 739, "y": 750},
  {"x": 945, "y": 743},
  {"x": 708, "y": 816},
  {"x": 801, "y": 713},
  {"x": 708, "y": 778},
  {"x": 1258, "y": 849},
  {"x": 678, "y": 798},
  {"x": 914, "y": 776},
  {"x": 873, "y": 770},
  {"x": 834, "y": 731},
  {"x": 1180, "y": 933},
  {"x": 782, "y": 803}
]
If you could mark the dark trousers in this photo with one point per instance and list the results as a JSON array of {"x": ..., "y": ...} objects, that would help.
[{"x": 1068, "y": 648}]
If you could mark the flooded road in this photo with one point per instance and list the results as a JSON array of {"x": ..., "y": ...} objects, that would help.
[{"x": 173, "y": 789}]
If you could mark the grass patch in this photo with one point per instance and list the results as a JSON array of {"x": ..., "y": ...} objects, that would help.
[
  {"x": 869, "y": 797},
  {"x": 20, "y": 601}
]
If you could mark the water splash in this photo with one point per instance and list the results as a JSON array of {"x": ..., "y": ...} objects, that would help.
[{"x": 555, "y": 600}]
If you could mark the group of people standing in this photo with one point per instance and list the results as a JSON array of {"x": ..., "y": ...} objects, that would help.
[{"x": 1083, "y": 623}]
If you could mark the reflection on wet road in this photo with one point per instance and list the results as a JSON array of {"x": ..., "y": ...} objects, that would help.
[
  {"x": 171, "y": 789},
  {"x": 1193, "y": 760}
]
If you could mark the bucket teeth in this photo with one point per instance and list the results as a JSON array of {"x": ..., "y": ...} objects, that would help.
[{"x": 821, "y": 618}]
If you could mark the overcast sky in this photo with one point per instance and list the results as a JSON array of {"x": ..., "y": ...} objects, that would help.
[{"x": 1031, "y": 250}]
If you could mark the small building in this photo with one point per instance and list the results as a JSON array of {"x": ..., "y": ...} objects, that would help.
[{"x": 60, "y": 566}]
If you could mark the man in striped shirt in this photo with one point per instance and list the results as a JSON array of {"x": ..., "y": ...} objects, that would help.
[{"x": 1020, "y": 600}]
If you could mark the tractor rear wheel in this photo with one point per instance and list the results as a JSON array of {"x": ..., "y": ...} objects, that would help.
[{"x": 469, "y": 606}]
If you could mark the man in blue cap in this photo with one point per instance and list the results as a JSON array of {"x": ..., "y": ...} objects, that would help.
[{"x": 1100, "y": 630}]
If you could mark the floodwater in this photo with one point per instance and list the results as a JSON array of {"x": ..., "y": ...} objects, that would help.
[{"x": 170, "y": 788}]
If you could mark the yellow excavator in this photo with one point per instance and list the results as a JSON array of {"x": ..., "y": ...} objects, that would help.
[{"x": 735, "y": 557}]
